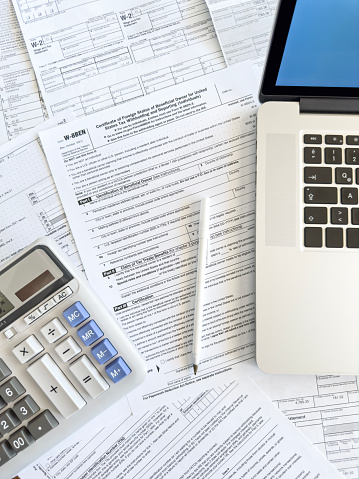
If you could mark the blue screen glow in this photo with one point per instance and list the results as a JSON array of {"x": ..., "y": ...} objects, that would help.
[{"x": 322, "y": 48}]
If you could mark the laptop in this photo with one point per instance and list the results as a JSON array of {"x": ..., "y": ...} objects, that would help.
[{"x": 307, "y": 219}]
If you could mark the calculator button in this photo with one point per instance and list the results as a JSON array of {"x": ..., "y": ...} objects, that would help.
[
  {"x": 6, "y": 452},
  {"x": 30, "y": 318},
  {"x": 8, "y": 421},
  {"x": 76, "y": 314},
  {"x": 65, "y": 293},
  {"x": 53, "y": 330},
  {"x": 21, "y": 439},
  {"x": 117, "y": 370},
  {"x": 68, "y": 349},
  {"x": 103, "y": 351},
  {"x": 42, "y": 424},
  {"x": 89, "y": 333},
  {"x": 2, "y": 403},
  {"x": 11, "y": 390},
  {"x": 88, "y": 376},
  {"x": 56, "y": 386},
  {"x": 46, "y": 306},
  {"x": 28, "y": 349},
  {"x": 25, "y": 408},
  {"x": 4, "y": 370},
  {"x": 9, "y": 333}
]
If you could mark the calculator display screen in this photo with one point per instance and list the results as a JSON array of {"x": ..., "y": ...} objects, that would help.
[
  {"x": 5, "y": 305},
  {"x": 35, "y": 285}
]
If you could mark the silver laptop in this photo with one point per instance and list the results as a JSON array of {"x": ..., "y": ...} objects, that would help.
[{"x": 307, "y": 236}]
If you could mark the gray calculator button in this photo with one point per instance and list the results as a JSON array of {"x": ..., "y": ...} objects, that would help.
[
  {"x": 25, "y": 408},
  {"x": 88, "y": 376},
  {"x": 11, "y": 390},
  {"x": 4, "y": 370},
  {"x": 8, "y": 420},
  {"x": 53, "y": 330},
  {"x": 28, "y": 349},
  {"x": 6, "y": 452},
  {"x": 21, "y": 439},
  {"x": 42, "y": 424},
  {"x": 56, "y": 386},
  {"x": 2, "y": 403}
]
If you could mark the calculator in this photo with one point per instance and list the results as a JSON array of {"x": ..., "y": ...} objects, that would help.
[{"x": 63, "y": 357}]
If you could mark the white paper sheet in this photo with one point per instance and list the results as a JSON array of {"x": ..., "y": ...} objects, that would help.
[
  {"x": 132, "y": 198},
  {"x": 90, "y": 55},
  {"x": 231, "y": 431},
  {"x": 21, "y": 106}
]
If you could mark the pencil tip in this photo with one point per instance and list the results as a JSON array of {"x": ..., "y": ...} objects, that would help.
[{"x": 195, "y": 368}]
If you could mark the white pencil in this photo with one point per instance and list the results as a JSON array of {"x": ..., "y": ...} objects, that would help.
[{"x": 203, "y": 260}]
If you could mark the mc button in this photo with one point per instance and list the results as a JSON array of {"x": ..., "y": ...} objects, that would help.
[{"x": 75, "y": 314}]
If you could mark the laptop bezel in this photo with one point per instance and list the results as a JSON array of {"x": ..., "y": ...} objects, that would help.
[{"x": 269, "y": 91}]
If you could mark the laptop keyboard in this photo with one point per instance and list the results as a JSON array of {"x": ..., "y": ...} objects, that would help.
[{"x": 331, "y": 182}]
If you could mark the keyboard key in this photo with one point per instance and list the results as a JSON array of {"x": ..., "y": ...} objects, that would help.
[
  {"x": 21, "y": 439},
  {"x": 312, "y": 139},
  {"x": 4, "y": 370},
  {"x": 90, "y": 333},
  {"x": 353, "y": 237},
  {"x": 334, "y": 238},
  {"x": 353, "y": 140},
  {"x": 352, "y": 156},
  {"x": 313, "y": 215},
  {"x": 117, "y": 370},
  {"x": 8, "y": 421},
  {"x": 314, "y": 174},
  {"x": 320, "y": 195},
  {"x": 53, "y": 330},
  {"x": 312, "y": 155},
  {"x": 343, "y": 176},
  {"x": 355, "y": 216},
  {"x": 42, "y": 424},
  {"x": 334, "y": 139},
  {"x": 68, "y": 349},
  {"x": 88, "y": 376},
  {"x": 6, "y": 452},
  {"x": 28, "y": 349},
  {"x": 76, "y": 314},
  {"x": 103, "y": 351},
  {"x": 25, "y": 408},
  {"x": 313, "y": 237},
  {"x": 56, "y": 386},
  {"x": 333, "y": 156},
  {"x": 11, "y": 390},
  {"x": 339, "y": 216},
  {"x": 349, "y": 196}
]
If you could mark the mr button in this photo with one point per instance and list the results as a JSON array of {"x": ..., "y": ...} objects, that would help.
[{"x": 75, "y": 314}]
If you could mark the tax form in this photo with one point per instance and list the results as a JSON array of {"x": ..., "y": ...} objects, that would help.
[
  {"x": 243, "y": 28},
  {"x": 29, "y": 203},
  {"x": 131, "y": 180},
  {"x": 230, "y": 431},
  {"x": 90, "y": 55},
  {"x": 21, "y": 106}
]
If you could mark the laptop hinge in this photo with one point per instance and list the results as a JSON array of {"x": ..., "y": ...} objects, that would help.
[{"x": 329, "y": 105}]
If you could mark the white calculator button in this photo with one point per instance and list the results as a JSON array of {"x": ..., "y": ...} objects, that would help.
[
  {"x": 56, "y": 386},
  {"x": 53, "y": 330},
  {"x": 87, "y": 375},
  {"x": 68, "y": 349},
  {"x": 30, "y": 318},
  {"x": 9, "y": 333},
  {"x": 65, "y": 293},
  {"x": 47, "y": 306},
  {"x": 27, "y": 349}
]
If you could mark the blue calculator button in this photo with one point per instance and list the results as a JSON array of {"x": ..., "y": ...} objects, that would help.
[
  {"x": 89, "y": 333},
  {"x": 117, "y": 370},
  {"x": 103, "y": 351},
  {"x": 75, "y": 314}
]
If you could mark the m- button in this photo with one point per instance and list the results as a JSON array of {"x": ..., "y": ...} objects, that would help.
[{"x": 76, "y": 314}]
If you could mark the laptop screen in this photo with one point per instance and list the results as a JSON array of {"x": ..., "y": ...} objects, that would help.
[
  {"x": 322, "y": 47},
  {"x": 314, "y": 51}
]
